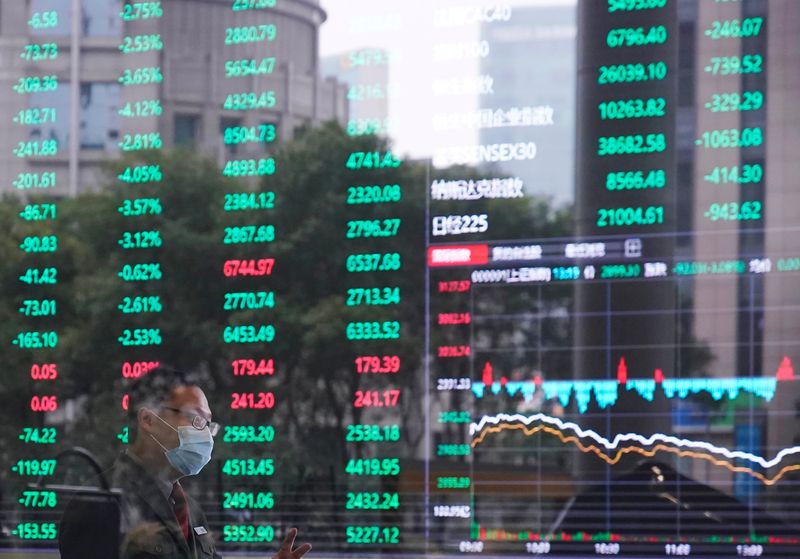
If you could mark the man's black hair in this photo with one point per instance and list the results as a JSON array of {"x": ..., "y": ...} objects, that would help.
[{"x": 151, "y": 391}]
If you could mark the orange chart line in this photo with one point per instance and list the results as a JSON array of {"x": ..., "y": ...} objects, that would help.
[{"x": 530, "y": 431}]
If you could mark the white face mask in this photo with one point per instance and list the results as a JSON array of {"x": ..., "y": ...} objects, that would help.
[{"x": 193, "y": 451}]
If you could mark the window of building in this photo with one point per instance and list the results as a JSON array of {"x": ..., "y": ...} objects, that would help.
[
  {"x": 100, "y": 18},
  {"x": 187, "y": 130},
  {"x": 57, "y": 128},
  {"x": 100, "y": 116}
]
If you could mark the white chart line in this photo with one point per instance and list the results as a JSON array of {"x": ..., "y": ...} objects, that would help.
[{"x": 475, "y": 428}]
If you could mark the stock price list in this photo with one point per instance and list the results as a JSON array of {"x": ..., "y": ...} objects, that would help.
[
  {"x": 248, "y": 466},
  {"x": 140, "y": 210},
  {"x": 627, "y": 177},
  {"x": 731, "y": 138},
  {"x": 35, "y": 341},
  {"x": 375, "y": 259}
]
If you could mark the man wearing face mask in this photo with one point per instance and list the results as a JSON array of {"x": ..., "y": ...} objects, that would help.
[{"x": 172, "y": 436}]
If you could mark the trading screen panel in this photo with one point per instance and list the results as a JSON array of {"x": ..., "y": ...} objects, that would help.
[{"x": 457, "y": 277}]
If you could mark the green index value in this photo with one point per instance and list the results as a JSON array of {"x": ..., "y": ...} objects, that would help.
[
  {"x": 133, "y": 240},
  {"x": 373, "y": 467},
  {"x": 636, "y": 36},
  {"x": 140, "y": 206},
  {"x": 140, "y": 337},
  {"x": 735, "y": 28},
  {"x": 38, "y": 499},
  {"x": 261, "y": 134},
  {"x": 34, "y": 467},
  {"x": 367, "y": 433},
  {"x": 139, "y": 142},
  {"x": 734, "y": 101},
  {"x": 141, "y": 109},
  {"x": 35, "y": 531},
  {"x": 387, "y": 194},
  {"x": 730, "y": 138},
  {"x": 636, "y": 180},
  {"x": 624, "y": 109},
  {"x": 35, "y": 116},
  {"x": 735, "y": 65},
  {"x": 141, "y": 11},
  {"x": 630, "y": 216},
  {"x": 373, "y": 330},
  {"x": 373, "y": 296},
  {"x": 634, "y": 144},
  {"x": 736, "y": 174},
  {"x": 248, "y": 533},
  {"x": 43, "y": 20},
  {"x": 39, "y": 52},
  {"x": 38, "y": 307},
  {"x": 635, "y": 5},
  {"x": 247, "y": 201},
  {"x": 372, "y": 535},
  {"x": 248, "y": 434},
  {"x": 718, "y": 267},
  {"x": 455, "y": 417},
  {"x": 372, "y": 160},
  {"x": 141, "y": 305},
  {"x": 249, "y": 234},
  {"x": 250, "y": 100},
  {"x": 40, "y": 276},
  {"x": 28, "y": 181},
  {"x": 452, "y": 450},
  {"x": 620, "y": 271},
  {"x": 371, "y": 228},
  {"x": 38, "y": 435},
  {"x": 134, "y": 44},
  {"x": 249, "y": 300},
  {"x": 449, "y": 482},
  {"x": 244, "y": 500},
  {"x": 249, "y": 168},
  {"x": 141, "y": 174},
  {"x": 39, "y": 212},
  {"x": 632, "y": 73},
  {"x": 141, "y": 76},
  {"x": 373, "y": 501},
  {"x": 373, "y": 262},
  {"x": 246, "y": 467},
  {"x": 735, "y": 211},
  {"x": 36, "y": 148},
  {"x": 42, "y": 244},
  {"x": 35, "y": 84},
  {"x": 248, "y": 334},
  {"x": 250, "y": 34},
  {"x": 245, "y": 5},
  {"x": 147, "y": 271},
  {"x": 245, "y": 67}
]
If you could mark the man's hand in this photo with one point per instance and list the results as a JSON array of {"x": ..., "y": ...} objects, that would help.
[{"x": 286, "y": 551}]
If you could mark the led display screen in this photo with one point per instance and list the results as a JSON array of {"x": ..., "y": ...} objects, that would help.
[{"x": 457, "y": 277}]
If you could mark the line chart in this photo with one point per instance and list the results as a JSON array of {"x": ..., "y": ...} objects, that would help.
[
  {"x": 659, "y": 442},
  {"x": 646, "y": 453}
]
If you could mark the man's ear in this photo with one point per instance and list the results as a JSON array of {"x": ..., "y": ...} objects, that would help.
[{"x": 145, "y": 419}]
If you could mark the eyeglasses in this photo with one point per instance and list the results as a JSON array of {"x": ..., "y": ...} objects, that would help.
[{"x": 198, "y": 421}]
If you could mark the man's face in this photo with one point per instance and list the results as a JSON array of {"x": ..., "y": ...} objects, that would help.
[
  {"x": 186, "y": 402},
  {"x": 158, "y": 426}
]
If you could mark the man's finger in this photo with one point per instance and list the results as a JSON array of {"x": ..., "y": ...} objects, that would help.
[
  {"x": 288, "y": 541},
  {"x": 302, "y": 550}
]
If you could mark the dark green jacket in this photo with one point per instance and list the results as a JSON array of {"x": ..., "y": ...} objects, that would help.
[{"x": 148, "y": 528}]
